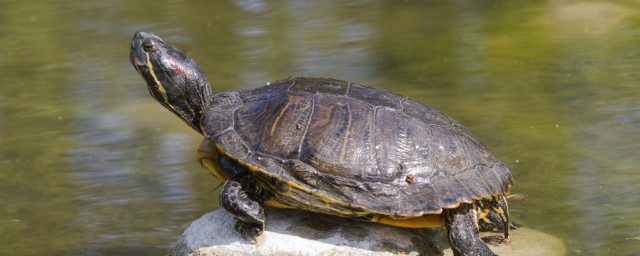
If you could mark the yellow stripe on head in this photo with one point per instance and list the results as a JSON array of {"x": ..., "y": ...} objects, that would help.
[{"x": 155, "y": 78}]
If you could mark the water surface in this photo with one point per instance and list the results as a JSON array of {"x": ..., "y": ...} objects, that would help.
[{"x": 91, "y": 165}]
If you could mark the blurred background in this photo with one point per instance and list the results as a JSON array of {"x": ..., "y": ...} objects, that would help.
[{"x": 90, "y": 164}]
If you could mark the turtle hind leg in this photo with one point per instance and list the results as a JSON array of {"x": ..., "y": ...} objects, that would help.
[
  {"x": 248, "y": 212},
  {"x": 497, "y": 219},
  {"x": 502, "y": 209},
  {"x": 463, "y": 233}
]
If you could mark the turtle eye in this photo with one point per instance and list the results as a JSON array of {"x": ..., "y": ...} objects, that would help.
[{"x": 148, "y": 46}]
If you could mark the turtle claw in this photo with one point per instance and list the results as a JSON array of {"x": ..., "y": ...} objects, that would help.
[
  {"x": 496, "y": 240},
  {"x": 249, "y": 231}
]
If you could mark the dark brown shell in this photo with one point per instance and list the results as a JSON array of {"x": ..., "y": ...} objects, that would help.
[{"x": 343, "y": 148}]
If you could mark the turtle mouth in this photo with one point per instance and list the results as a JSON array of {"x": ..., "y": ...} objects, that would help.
[
  {"x": 137, "y": 55},
  {"x": 136, "y": 60}
]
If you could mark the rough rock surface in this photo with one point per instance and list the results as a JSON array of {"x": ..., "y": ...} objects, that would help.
[{"x": 292, "y": 232}]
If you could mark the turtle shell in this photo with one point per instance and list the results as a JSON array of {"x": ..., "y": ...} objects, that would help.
[{"x": 341, "y": 148}]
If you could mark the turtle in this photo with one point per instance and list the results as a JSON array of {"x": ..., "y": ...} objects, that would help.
[{"x": 331, "y": 147}]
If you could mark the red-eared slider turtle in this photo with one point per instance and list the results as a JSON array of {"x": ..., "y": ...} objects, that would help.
[{"x": 332, "y": 147}]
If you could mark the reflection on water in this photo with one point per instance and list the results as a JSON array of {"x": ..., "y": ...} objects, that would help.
[
  {"x": 125, "y": 186},
  {"x": 90, "y": 164}
]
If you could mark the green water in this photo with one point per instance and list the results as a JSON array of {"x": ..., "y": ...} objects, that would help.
[{"x": 91, "y": 165}]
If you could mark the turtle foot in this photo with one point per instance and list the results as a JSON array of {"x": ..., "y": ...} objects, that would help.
[
  {"x": 249, "y": 231},
  {"x": 496, "y": 240}
]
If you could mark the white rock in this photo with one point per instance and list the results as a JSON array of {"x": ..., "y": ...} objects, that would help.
[{"x": 292, "y": 232}]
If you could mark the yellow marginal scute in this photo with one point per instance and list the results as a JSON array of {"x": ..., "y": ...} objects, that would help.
[
  {"x": 425, "y": 221},
  {"x": 214, "y": 168},
  {"x": 276, "y": 204},
  {"x": 208, "y": 156}
]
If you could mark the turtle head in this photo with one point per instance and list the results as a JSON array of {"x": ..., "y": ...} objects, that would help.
[{"x": 173, "y": 79}]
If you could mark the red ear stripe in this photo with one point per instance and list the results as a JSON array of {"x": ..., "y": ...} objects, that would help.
[{"x": 178, "y": 67}]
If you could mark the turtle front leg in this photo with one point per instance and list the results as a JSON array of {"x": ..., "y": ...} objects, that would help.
[
  {"x": 247, "y": 211},
  {"x": 462, "y": 229}
]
